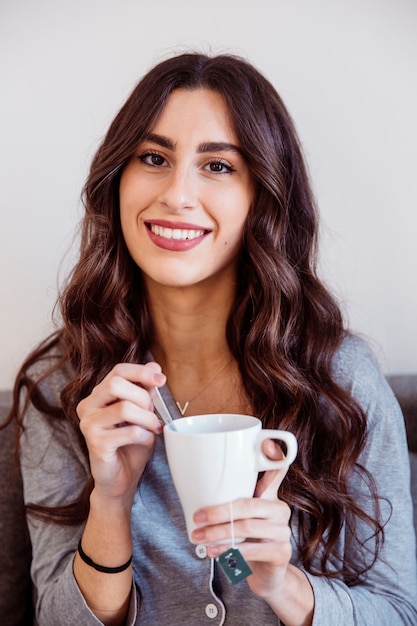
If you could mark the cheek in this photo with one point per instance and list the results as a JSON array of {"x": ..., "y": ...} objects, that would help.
[
  {"x": 125, "y": 201},
  {"x": 126, "y": 217},
  {"x": 237, "y": 214},
  {"x": 233, "y": 237},
  {"x": 132, "y": 204},
  {"x": 135, "y": 193}
]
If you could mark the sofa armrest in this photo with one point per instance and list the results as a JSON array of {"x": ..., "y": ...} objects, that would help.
[
  {"x": 405, "y": 390},
  {"x": 16, "y": 606}
]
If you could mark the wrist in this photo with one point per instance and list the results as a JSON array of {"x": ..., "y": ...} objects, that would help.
[
  {"x": 104, "y": 569},
  {"x": 293, "y": 602},
  {"x": 118, "y": 507},
  {"x": 107, "y": 535}
]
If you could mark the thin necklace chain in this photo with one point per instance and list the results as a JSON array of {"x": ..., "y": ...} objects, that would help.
[{"x": 183, "y": 409}]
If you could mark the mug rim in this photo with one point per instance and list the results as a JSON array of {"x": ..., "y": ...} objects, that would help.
[{"x": 251, "y": 422}]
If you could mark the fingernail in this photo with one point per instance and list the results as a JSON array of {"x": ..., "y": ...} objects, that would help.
[
  {"x": 200, "y": 517},
  {"x": 215, "y": 550},
  {"x": 159, "y": 379},
  {"x": 198, "y": 534}
]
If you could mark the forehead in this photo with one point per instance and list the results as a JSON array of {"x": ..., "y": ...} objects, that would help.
[{"x": 198, "y": 110}]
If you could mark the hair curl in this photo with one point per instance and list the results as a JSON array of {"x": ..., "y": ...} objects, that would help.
[{"x": 284, "y": 328}]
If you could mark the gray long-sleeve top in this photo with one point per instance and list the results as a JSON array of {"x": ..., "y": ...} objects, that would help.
[{"x": 174, "y": 581}]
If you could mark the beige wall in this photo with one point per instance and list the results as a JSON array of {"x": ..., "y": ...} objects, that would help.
[{"x": 346, "y": 70}]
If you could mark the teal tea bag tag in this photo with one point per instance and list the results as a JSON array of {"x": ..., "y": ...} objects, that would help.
[{"x": 234, "y": 565}]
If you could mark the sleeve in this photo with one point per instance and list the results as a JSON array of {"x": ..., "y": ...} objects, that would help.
[
  {"x": 388, "y": 594},
  {"x": 54, "y": 471}
]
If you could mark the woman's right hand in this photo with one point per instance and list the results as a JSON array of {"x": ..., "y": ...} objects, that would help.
[{"x": 119, "y": 427}]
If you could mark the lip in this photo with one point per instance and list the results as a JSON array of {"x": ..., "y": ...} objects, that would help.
[{"x": 175, "y": 245}]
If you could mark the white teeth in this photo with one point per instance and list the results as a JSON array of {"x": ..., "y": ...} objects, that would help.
[{"x": 175, "y": 233}]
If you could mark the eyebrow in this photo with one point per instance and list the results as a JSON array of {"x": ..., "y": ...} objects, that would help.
[
  {"x": 209, "y": 146},
  {"x": 164, "y": 142},
  {"x": 217, "y": 146}
]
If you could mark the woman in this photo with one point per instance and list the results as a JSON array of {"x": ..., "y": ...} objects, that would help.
[{"x": 197, "y": 267}]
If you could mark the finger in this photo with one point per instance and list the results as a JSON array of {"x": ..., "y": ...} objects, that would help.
[
  {"x": 268, "y": 485},
  {"x": 243, "y": 508},
  {"x": 277, "y": 553},
  {"x": 253, "y": 518},
  {"x": 270, "y": 530},
  {"x": 154, "y": 366},
  {"x": 272, "y": 450},
  {"x": 139, "y": 373},
  {"x": 117, "y": 388},
  {"x": 124, "y": 382},
  {"x": 107, "y": 443},
  {"x": 138, "y": 376},
  {"x": 119, "y": 414}
]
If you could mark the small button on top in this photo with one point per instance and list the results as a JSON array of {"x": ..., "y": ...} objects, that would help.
[
  {"x": 211, "y": 611},
  {"x": 201, "y": 551}
]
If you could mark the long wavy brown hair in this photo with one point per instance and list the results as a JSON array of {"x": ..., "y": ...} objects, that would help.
[{"x": 284, "y": 328}]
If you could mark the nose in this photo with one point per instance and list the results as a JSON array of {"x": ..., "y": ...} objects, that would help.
[{"x": 179, "y": 192}]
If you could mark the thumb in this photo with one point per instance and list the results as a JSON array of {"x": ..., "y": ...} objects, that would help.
[{"x": 270, "y": 482}]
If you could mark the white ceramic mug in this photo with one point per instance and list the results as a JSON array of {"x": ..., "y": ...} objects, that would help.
[{"x": 215, "y": 459}]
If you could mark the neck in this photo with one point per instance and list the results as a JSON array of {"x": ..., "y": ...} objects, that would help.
[
  {"x": 190, "y": 328},
  {"x": 190, "y": 345}
]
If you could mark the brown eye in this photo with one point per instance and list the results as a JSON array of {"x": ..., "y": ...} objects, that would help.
[
  {"x": 219, "y": 167},
  {"x": 153, "y": 159}
]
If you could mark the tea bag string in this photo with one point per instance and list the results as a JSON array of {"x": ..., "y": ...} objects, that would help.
[
  {"x": 232, "y": 562},
  {"x": 232, "y": 525}
]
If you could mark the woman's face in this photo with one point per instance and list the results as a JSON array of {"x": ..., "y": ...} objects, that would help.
[{"x": 186, "y": 193}]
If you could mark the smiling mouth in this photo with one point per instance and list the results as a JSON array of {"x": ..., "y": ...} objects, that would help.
[{"x": 178, "y": 234}]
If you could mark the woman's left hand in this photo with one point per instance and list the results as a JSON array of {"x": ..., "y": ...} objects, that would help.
[{"x": 262, "y": 521}]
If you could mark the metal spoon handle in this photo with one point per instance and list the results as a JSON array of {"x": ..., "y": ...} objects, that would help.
[{"x": 160, "y": 408}]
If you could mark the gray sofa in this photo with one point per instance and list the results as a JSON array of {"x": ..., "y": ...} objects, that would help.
[{"x": 15, "y": 551}]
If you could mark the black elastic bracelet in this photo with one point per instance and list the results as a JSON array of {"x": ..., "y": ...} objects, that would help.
[{"x": 102, "y": 568}]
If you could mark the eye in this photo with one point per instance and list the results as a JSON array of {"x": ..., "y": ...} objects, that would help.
[
  {"x": 153, "y": 159},
  {"x": 219, "y": 166}
]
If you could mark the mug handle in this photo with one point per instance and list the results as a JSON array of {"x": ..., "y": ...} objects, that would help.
[{"x": 262, "y": 461}]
